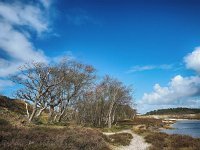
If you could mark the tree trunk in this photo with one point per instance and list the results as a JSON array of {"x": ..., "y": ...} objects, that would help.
[
  {"x": 27, "y": 111},
  {"x": 110, "y": 117},
  {"x": 41, "y": 110},
  {"x": 134, "y": 116},
  {"x": 60, "y": 116},
  {"x": 54, "y": 120},
  {"x": 113, "y": 117},
  {"x": 32, "y": 114},
  {"x": 109, "y": 120},
  {"x": 51, "y": 111}
]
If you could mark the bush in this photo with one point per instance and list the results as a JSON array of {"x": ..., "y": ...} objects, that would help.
[
  {"x": 157, "y": 139},
  {"x": 3, "y": 122},
  {"x": 46, "y": 138},
  {"x": 174, "y": 142}
]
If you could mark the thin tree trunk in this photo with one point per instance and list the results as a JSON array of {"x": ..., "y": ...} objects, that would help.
[
  {"x": 134, "y": 116},
  {"x": 27, "y": 111},
  {"x": 32, "y": 114},
  {"x": 40, "y": 112},
  {"x": 61, "y": 115},
  {"x": 113, "y": 116},
  {"x": 109, "y": 116},
  {"x": 51, "y": 111},
  {"x": 55, "y": 118}
]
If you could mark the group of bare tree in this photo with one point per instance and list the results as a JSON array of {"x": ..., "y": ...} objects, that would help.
[
  {"x": 109, "y": 101},
  {"x": 69, "y": 91}
]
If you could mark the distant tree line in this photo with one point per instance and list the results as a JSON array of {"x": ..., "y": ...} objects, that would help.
[
  {"x": 174, "y": 111},
  {"x": 70, "y": 91}
]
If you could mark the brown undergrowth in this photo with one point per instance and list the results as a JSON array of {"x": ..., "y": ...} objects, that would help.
[
  {"x": 119, "y": 139},
  {"x": 47, "y": 138}
]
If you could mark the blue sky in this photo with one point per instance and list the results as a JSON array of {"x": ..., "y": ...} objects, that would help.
[{"x": 141, "y": 42}]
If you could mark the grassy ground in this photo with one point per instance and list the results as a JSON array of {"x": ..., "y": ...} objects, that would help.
[
  {"x": 17, "y": 134},
  {"x": 171, "y": 142},
  {"x": 50, "y": 138}
]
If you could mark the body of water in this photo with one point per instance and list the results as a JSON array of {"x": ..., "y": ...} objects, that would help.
[{"x": 185, "y": 127}]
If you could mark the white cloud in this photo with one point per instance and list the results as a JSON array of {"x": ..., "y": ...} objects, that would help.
[
  {"x": 24, "y": 14},
  {"x": 150, "y": 67},
  {"x": 180, "y": 91},
  {"x": 192, "y": 60},
  {"x": 8, "y": 67},
  {"x": 17, "y": 45},
  {"x": 46, "y": 3},
  {"x": 17, "y": 22},
  {"x": 179, "y": 88},
  {"x": 5, "y": 83}
]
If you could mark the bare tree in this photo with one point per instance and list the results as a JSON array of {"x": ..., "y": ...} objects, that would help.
[
  {"x": 116, "y": 94},
  {"x": 68, "y": 90},
  {"x": 36, "y": 80},
  {"x": 78, "y": 77},
  {"x": 108, "y": 101}
]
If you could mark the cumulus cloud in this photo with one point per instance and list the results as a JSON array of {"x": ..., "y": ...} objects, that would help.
[
  {"x": 5, "y": 83},
  {"x": 179, "y": 88},
  {"x": 23, "y": 14},
  {"x": 46, "y": 3},
  {"x": 150, "y": 67},
  {"x": 8, "y": 67},
  {"x": 192, "y": 60},
  {"x": 18, "y": 22},
  {"x": 180, "y": 91},
  {"x": 17, "y": 45}
]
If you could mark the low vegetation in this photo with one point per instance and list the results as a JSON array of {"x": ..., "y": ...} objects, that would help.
[
  {"x": 17, "y": 133},
  {"x": 120, "y": 139},
  {"x": 171, "y": 142},
  {"x": 149, "y": 123},
  {"x": 12, "y": 111},
  {"x": 50, "y": 138},
  {"x": 16, "y": 106}
]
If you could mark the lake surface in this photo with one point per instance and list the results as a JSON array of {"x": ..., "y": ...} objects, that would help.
[{"x": 185, "y": 127}]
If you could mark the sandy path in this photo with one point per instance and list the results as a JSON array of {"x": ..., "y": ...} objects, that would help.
[{"x": 137, "y": 143}]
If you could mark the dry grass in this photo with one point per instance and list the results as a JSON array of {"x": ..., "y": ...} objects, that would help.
[
  {"x": 116, "y": 128},
  {"x": 46, "y": 138},
  {"x": 13, "y": 105},
  {"x": 120, "y": 139},
  {"x": 172, "y": 142}
]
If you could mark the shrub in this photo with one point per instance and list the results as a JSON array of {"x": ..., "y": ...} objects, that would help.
[
  {"x": 51, "y": 139},
  {"x": 157, "y": 139},
  {"x": 168, "y": 142},
  {"x": 3, "y": 122}
]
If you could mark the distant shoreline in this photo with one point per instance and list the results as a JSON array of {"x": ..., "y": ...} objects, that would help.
[{"x": 184, "y": 127}]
